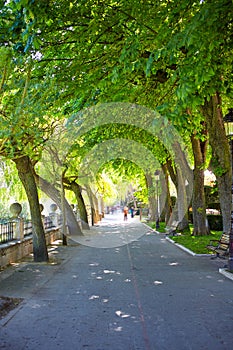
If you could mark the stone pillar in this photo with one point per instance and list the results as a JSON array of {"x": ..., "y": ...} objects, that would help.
[
  {"x": 19, "y": 229},
  {"x": 53, "y": 215},
  {"x": 16, "y": 209}
]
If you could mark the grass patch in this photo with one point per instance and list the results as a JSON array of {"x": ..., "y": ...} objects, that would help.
[
  {"x": 152, "y": 224},
  {"x": 196, "y": 244}
]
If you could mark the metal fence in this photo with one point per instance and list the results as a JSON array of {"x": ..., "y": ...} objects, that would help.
[
  {"x": 8, "y": 231},
  {"x": 60, "y": 220},
  {"x": 48, "y": 223},
  {"x": 27, "y": 228}
]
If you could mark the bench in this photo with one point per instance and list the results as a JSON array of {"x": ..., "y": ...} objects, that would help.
[
  {"x": 220, "y": 246},
  {"x": 171, "y": 229}
]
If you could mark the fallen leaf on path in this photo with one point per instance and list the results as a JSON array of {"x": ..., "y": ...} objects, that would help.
[{"x": 158, "y": 282}]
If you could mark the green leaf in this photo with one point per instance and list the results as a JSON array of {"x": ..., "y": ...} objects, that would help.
[{"x": 149, "y": 64}]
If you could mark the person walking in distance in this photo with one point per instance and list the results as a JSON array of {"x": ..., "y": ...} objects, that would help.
[
  {"x": 125, "y": 211},
  {"x": 132, "y": 212}
]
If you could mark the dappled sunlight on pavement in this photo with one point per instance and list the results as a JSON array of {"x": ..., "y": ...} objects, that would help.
[
  {"x": 144, "y": 294},
  {"x": 112, "y": 232}
]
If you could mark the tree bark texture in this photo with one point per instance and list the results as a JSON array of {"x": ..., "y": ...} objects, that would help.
[
  {"x": 182, "y": 202},
  {"x": 198, "y": 203},
  {"x": 180, "y": 210},
  {"x": 26, "y": 175},
  {"x": 97, "y": 216},
  {"x": 168, "y": 205},
  {"x": 81, "y": 205},
  {"x": 94, "y": 206},
  {"x": 151, "y": 198},
  {"x": 51, "y": 191},
  {"x": 221, "y": 158}
]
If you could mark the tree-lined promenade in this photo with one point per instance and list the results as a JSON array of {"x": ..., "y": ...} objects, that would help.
[
  {"x": 138, "y": 291},
  {"x": 60, "y": 60}
]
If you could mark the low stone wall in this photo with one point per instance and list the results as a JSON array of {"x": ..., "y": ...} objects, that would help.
[{"x": 14, "y": 251}]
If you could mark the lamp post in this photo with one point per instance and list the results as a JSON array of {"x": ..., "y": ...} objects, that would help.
[
  {"x": 157, "y": 172},
  {"x": 228, "y": 122}
]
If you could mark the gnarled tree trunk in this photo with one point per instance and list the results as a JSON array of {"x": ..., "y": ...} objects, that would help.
[
  {"x": 167, "y": 205},
  {"x": 81, "y": 205},
  {"x": 55, "y": 195},
  {"x": 180, "y": 211},
  {"x": 198, "y": 202},
  {"x": 221, "y": 160},
  {"x": 182, "y": 202},
  {"x": 151, "y": 198},
  {"x": 26, "y": 175},
  {"x": 94, "y": 206}
]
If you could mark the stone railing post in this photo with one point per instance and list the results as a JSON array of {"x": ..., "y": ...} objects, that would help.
[
  {"x": 16, "y": 209},
  {"x": 19, "y": 229},
  {"x": 53, "y": 215}
]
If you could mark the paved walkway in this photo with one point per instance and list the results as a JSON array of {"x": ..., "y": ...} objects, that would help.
[{"x": 141, "y": 294}]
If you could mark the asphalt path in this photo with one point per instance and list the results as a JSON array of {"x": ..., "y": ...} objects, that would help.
[{"x": 137, "y": 291}]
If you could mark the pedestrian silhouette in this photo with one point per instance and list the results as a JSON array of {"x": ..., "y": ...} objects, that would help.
[
  {"x": 125, "y": 213},
  {"x": 132, "y": 212}
]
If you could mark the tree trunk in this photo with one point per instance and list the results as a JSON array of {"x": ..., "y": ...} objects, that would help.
[
  {"x": 198, "y": 203},
  {"x": 97, "y": 217},
  {"x": 221, "y": 158},
  {"x": 55, "y": 195},
  {"x": 180, "y": 210},
  {"x": 81, "y": 205},
  {"x": 182, "y": 204},
  {"x": 64, "y": 233},
  {"x": 151, "y": 198},
  {"x": 168, "y": 205},
  {"x": 94, "y": 208},
  {"x": 102, "y": 207},
  {"x": 26, "y": 175}
]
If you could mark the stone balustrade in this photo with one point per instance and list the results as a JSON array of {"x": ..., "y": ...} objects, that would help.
[{"x": 16, "y": 234}]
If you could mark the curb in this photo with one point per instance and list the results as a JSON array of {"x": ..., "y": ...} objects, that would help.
[
  {"x": 173, "y": 242},
  {"x": 222, "y": 271},
  {"x": 226, "y": 273},
  {"x": 151, "y": 230},
  {"x": 184, "y": 248}
]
